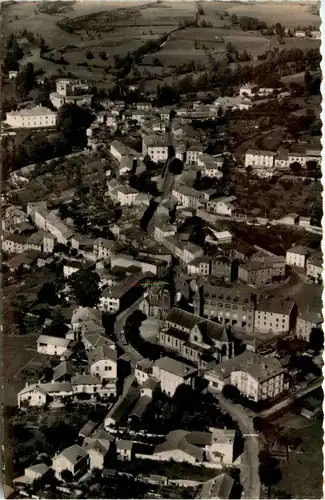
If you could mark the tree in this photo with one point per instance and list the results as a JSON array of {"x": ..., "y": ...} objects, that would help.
[
  {"x": 85, "y": 285},
  {"x": 48, "y": 294},
  {"x": 269, "y": 471},
  {"x": 25, "y": 80},
  {"x": 296, "y": 167},
  {"x": 316, "y": 339},
  {"x": 234, "y": 19},
  {"x": 72, "y": 122},
  {"x": 231, "y": 392},
  {"x": 67, "y": 476},
  {"x": 89, "y": 55},
  {"x": 103, "y": 55}
]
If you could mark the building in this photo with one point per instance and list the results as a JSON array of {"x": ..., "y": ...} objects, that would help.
[
  {"x": 52, "y": 346},
  {"x": 257, "y": 377},
  {"x": 200, "y": 266},
  {"x": 289, "y": 219},
  {"x": 188, "y": 197},
  {"x": 314, "y": 268},
  {"x": 31, "y": 474},
  {"x": 275, "y": 314},
  {"x": 124, "y": 449},
  {"x": 156, "y": 147},
  {"x": 161, "y": 232},
  {"x": 316, "y": 34},
  {"x": 97, "y": 447},
  {"x": 297, "y": 256},
  {"x": 210, "y": 166},
  {"x": 261, "y": 271},
  {"x": 172, "y": 373},
  {"x": 126, "y": 195},
  {"x": 32, "y": 395},
  {"x": 70, "y": 92},
  {"x": 157, "y": 303},
  {"x": 232, "y": 306},
  {"x": 260, "y": 159},
  {"x": 220, "y": 487},
  {"x": 222, "y": 268},
  {"x": 143, "y": 370},
  {"x": 87, "y": 384},
  {"x": 12, "y": 74},
  {"x": 194, "y": 338},
  {"x": 71, "y": 267},
  {"x": 300, "y": 34},
  {"x": 306, "y": 322},
  {"x": 102, "y": 248},
  {"x": 73, "y": 459},
  {"x": 248, "y": 90},
  {"x": 192, "y": 252},
  {"x": 119, "y": 412},
  {"x": 214, "y": 447},
  {"x": 193, "y": 153},
  {"x": 225, "y": 205},
  {"x": 118, "y": 150},
  {"x": 37, "y": 117},
  {"x": 103, "y": 363}
]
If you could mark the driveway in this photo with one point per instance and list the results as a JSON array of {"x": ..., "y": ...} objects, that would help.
[{"x": 250, "y": 462}]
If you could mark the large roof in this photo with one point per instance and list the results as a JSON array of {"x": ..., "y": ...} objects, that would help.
[
  {"x": 73, "y": 454},
  {"x": 56, "y": 341},
  {"x": 101, "y": 352},
  {"x": 175, "y": 367},
  {"x": 188, "y": 442},
  {"x": 219, "y": 487}
]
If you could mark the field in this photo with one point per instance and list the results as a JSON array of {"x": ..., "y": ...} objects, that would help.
[{"x": 73, "y": 30}]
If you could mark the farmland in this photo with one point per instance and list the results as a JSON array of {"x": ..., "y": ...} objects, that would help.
[{"x": 81, "y": 33}]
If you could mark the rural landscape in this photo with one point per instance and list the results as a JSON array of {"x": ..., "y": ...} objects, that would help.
[{"x": 162, "y": 271}]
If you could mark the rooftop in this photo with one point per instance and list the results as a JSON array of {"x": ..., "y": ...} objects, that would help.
[
  {"x": 36, "y": 111},
  {"x": 73, "y": 454},
  {"x": 175, "y": 367}
]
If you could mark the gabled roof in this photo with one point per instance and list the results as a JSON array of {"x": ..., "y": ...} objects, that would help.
[
  {"x": 73, "y": 454},
  {"x": 64, "y": 368},
  {"x": 181, "y": 440},
  {"x": 85, "y": 380},
  {"x": 175, "y": 367},
  {"x": 182, "y": 318},
  {"x": 86, "y": 313},
  {"x": 101, "y": 352},
  {"x": 56, "y": 341},
  {"x": 219, "y": 487}
]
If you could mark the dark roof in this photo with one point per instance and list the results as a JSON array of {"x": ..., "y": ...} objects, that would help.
[
  {"x": 64, "y": 368},
  {"x": 87, "y": 429},
  {"x": 123, "y": 405},
  {"x": 219, "y": 487},
  {"x": 183, "y": 318},
  {"x": 140, "y": 407}
]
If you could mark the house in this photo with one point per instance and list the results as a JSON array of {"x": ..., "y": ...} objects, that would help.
[
  {"x": 92, "y": 340},
  {"x": 248, "y": 90},
  {"x": 37, "y": 117},
  {"x": 193, "y": 153},
  {"x": 275, "y": 314},
  {"x": 157, "y": 303},
  {"x": 139, "y": 409},
  {"x": 259, "y": 158},
  {"x": 220, "y": 487},
  {"x": 118, "y": 150},
  {"x": 103, "y": 363},
  {"x": 52, "y": 346},
  {"x": 297, "y": 256},
  {"x": 103, "y": 248},
  {"x": 32, "y": 395},
  {"x": 31, "y": 474},
  {"x": 126, "y": 195},
  {"x": 149, "y": 387},
  {"x": 223, "y": 205},
  {"x": 124, "y": 448},
  {"x": 172, "y": 373},
  {"x": 257, "y": 377},
  {"x": 316, "y": 34},
  {"x": 304, "y": 221},
  {"x": 234, "y": 306},
  {"x": 214, "y": 447},
  {"x": 188, "y": 197},
  {"x": 314, "y": 268},
  {"x": 300, "y": 34},
  {"x": 97, "y": 447},
  {"x": 81, "y": 315},
  {"x": 73, "y": 459},
  {"x": 191, "y": 252},
  {"x": 87, "y": 384},
  {"x": 12, "y": 74},
  {"x": 210, "y": 166},
  {"x": 143, "y": 370},
  {"x": 156, "y": 147},
  {"x": 13, "y": 243},
  {"x": 262, "y": 270},
  {"x": 161, "y": 232},
  {"x": 222, "y": 268},
  {"x": 71, "y": 267},
  {"x": 200, "y": 266},
  {"x": 306, "y": 321},
  {"x": 121, "y": 409},
  {"x": 62, "y": 372}
]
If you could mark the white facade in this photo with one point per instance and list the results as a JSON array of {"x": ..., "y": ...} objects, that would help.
[
  {"x": 157, "y": 153},
  {"x": 271, "y": 322},
  {"x": 222, "y": 206},
  {"x": 32, "y": 118},
  {"x": 192, "y": 252},
  {"x": 255, "y": 390},
  {"x": 118, "y": 150},
  {"x": 69, "y": 269},
  {"x": 297, "y": 256},
  {"x": 305, "y": 323},
  {"x": 162, "y": 232},
  {"x": 31, "y": 395},
  {"x": 126, "y": 196},
  {"x": 104, "y": 369},
  {"x": 77, "y": 464},
  {"x": 52, "y": 346},
  {"x": 109, "y": 304},
  {"x": 261, "y": 159},
  {"x": 314, "y": 271}
]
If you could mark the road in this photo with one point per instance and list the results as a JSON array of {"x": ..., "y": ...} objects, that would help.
[
  {"x": 118, "y": 330},
  {"x": 249, "y": 476}
]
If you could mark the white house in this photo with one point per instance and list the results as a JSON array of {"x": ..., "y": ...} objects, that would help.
[
  {"x": 155, "y": 147},
  {"x": 71, "y": 267},
  {"x": 314, "y": 269},
  {"x": 193, "y": 153},
  {"x": 32, "y": 395},
  {"x": 161, "y": 232},
  {"x": 38, "y": 117},
  {"x": 259, "y": 158},
  {"x": 306, "y": 321},
  {"x": 74, "y": 459},
  {"x": 124, "y": 449},
  {"x": 52, "y": 346},
  {"x": 223, "y": 205},
  {"x": 248, "y": 90},
  {"x": 31, "y": 474},
  {"x": 103, "y": 363},
  {"x": 172, "y": 373},
  {"x": 192, "y": 252},
  {"x": 126, "y": 195},
  {"x": 102, "y": 248},
  {"x": 97, "y": 447},
  {"x": 118, "y": 150},
  {"x": 297, "y": 256},
  {"x": 86, "y": 384}
]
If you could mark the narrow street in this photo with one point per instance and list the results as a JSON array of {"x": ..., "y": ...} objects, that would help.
[{"x": 250, "y": 461}]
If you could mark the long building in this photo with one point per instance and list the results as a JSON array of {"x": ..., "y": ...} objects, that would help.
[{"x": 37, "y": 117}]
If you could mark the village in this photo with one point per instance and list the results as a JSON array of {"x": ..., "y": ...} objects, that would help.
[{"x": 157, "y": 327}]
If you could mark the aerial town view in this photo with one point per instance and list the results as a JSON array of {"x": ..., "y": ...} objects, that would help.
[{"x": 162, "y": 332}]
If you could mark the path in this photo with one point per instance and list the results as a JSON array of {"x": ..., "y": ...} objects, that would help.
[{"x": 249, "y": 474}]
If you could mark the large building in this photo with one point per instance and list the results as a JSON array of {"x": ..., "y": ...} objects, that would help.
[
  {"x": 275, "y": 314},
  {"x": 232, "y": 306},
  {"x": 256, "y": 377},
  {"x": 194, "y": 338},
  {"x": 262, "y": 270},
  {"x": 314, "y": 268},
  {"x": 156, "y": 147},
  {"x": 306, "y": 321},
  {"x": 171, "y": 374},
  {"x": 38, "y": 117},
  {"x": 70, "y": 92}
]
